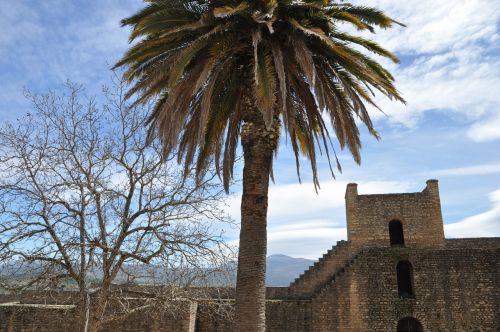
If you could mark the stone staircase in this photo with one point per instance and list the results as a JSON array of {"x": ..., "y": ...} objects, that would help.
[
  {"x": 337, "y": 275},
  {"x": 321, "y": 272}
]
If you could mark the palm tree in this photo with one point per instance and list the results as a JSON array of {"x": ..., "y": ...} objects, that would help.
[{"x": 219, "y": 70}]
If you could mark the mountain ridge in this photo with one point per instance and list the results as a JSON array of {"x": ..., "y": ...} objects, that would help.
[{"x": 283, "y": 269}]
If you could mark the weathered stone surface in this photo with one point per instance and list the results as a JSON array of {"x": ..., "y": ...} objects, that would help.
[{"x": 368, "y": 217}]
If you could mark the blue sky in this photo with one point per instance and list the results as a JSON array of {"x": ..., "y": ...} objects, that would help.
[{"x": 449, "y": 130}]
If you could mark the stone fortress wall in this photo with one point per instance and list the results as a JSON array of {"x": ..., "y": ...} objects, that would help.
[{"x": 395, "y": 269}]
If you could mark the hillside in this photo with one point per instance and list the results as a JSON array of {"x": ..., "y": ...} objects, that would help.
[{"x": 282, "y": 269}]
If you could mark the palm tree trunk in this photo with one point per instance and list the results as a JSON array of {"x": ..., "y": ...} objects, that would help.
[{"x": 258, "y": 146}]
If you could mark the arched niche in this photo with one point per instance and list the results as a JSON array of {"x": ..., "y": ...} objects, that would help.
[{"x": 409, "y": 324}]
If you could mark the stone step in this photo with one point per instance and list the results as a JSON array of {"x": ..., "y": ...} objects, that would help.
[
  {"x": 343, "y": 270},
  {"x": 313, "y": 270}
]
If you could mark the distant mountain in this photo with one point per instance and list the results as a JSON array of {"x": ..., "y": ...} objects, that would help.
[{"x": 282, "y": 269}]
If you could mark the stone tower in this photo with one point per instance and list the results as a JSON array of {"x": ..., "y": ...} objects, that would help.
[{"x": 411, "y": 219}]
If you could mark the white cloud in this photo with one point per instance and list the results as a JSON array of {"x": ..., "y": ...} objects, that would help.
[
  {"x": 305, "y": 243},
  {"x": 469, "y": 170},
  {"x": 304, "y": 234},
  {"x": 302, "y": 223},
  {"x": 451, "y": 62},
  {"x": 21, "y": 21},
  {"x": 485, "y": 224},
  {"x": 440, "y": 25},
  {"x": 296, "y": 202},
  {"x": 485, "y": 130},
  {"x": 52, "y": 41},
  {"x": 455, "y": 62},
  {"x": 462, "y": 85}
]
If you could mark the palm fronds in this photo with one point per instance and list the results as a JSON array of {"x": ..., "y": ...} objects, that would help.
[{"x": 200, "y": 59}]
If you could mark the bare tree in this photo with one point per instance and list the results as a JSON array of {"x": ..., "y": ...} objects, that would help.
[{"x": 86, "y": 201}]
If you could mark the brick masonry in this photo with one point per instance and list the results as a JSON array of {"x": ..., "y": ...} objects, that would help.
[
  {"x": 353, "y": 287},
  {"x": 455, "y": 290},
  {"x": 368, "y": 217},
  {"x": 28, "y": 317},
  {"x": 15, "y": 317}
]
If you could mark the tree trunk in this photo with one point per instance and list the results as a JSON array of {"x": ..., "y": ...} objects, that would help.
[
  {"x": 84, "y": 315},
  {"x": 93, "y": 327},
  {"x": 91, "y": 311},
  {"x": 258, "y": 147}
]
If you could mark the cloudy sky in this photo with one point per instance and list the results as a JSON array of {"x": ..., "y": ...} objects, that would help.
[{"x": 449, "y": 130}]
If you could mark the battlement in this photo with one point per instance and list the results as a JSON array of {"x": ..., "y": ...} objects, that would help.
[{"x": 402, "y": 219}]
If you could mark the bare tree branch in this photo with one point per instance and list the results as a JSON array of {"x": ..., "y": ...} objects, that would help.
[{"x": 86, "y": 202}]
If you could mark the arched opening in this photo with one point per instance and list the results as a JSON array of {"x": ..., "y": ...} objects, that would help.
[
  {"x": 409, "y": 324},
  {"x": 396, "y": 233},
  {"x": 405, "y": 278}
]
